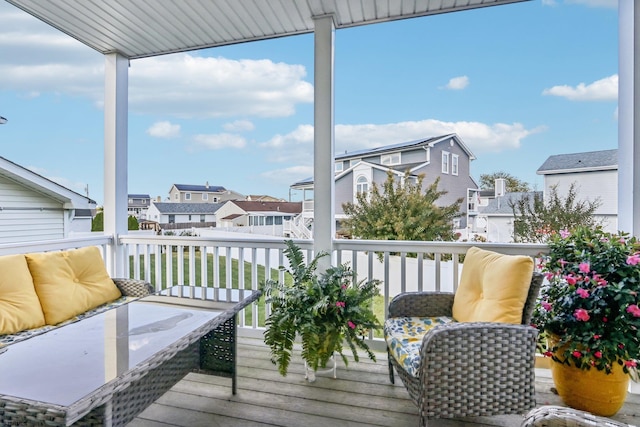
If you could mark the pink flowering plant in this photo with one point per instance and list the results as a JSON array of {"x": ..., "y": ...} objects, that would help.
[
  {"x": 326, "y": 311},
  {"x": 590, "y": 305}
]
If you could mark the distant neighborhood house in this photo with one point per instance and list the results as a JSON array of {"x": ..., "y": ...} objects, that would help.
[
  {"x": 171, "y": 216},
  {"x": 34, "y": 208},
  {"x": 183, "y": 193},
  {"x": 596, "y": 176},
  {"x": 257, "y": 217},
  {"x": 138, "y": 205},
  {"x": 445, "y": 157}
]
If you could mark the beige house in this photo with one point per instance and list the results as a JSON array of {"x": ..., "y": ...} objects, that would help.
[
  {"x": 184, "y": 193},
  {"x": 257, "y": 217}
]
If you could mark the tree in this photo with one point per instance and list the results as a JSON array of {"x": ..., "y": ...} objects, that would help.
[
  {"x": 535, "y": 220},
  {"x": 97, "y": 223},
  {"x": 512, "y": 184},
  {"x": 400, "y": 210}
]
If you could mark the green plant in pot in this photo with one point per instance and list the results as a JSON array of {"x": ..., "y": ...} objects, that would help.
[
  {"x": 590, "y": 316},
  {"x": 327, "y": 311}
]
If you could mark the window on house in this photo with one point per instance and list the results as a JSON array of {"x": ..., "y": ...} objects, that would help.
[
  {"x": 445, "y": 162},
  {"x": 187, "y": 196},
  {"x": 278, "y": 220},
  {"x": 172, "y": 219},
  {"x": 205, "y": 196},
  {"x": 390, "y": 159},
  {"x": 339, "y": 166},
  {"x": 203, "y": 218},
  {"x": 454, "y": 164},
  {"x": 354, "y": 162},
  {"x": 269, "y": 220},
  {"x": 215, "y": 200},
  {"x": 130, "y": 201},
  {"x": 189, "y": 218},
  {"x": 176, "y": 196},
  {"x": 362, "y": 185}
]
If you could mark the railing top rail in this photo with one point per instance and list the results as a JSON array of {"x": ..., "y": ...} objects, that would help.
[{"x": 531, "y": 249}]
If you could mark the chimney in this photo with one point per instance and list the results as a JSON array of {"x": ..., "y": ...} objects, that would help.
[
  {"x": 206, "y": 185},
  {"x": 500, "y": 187},
  {"x": 159, "y": 199}
]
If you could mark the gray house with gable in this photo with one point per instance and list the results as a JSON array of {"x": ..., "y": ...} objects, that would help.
[
  {"x": 172, "y": 216},
  {"x": 445, "y": 157}
]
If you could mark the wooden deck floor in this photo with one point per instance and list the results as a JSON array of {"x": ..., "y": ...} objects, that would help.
[{"x": 361, "y": 396}]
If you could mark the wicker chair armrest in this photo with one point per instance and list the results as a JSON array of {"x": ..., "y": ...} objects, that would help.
[
  {"x": 421, "y": 304},
  {"x": 134, "y": 287},
  {"x": 497, "y": 352},
  {"x": 558, "y": 416}
]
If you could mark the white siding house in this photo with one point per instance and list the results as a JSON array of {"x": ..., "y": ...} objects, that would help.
[
  {"x": 34, "y": 208},
  {"x": 595, "y": 174}
]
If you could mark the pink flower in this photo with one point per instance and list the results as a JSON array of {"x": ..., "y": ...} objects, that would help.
[
  {"x": 577, "y": 354},
  {"x": 340, "y": 304},
  {"x": 581, "y": 314},
  {"x": 547, "y": 354},
  {"x": 571, "y": 280},
  {"x": 582, "y": 292},
  {"x": 584, "y": 267},
  {"x": 596, "y": 337},
  {"x": 604, "y": 319},
  {"x": 351, "y": 324},
  {"x": 630, "y": 363},
  {"x": 633, "y": 259},
  {"x": 598, "y": 354},
  {"x": 634, "y": 309},
  {"x": 546, "y": 305},
  {"x": 343, "y": 286},
  {"x": 564, "y": 233},
  {"x": 599, "y": 280},
  {"x": 562, "y": 263}
]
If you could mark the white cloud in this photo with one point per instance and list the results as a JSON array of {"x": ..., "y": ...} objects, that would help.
[
  {"x": 601, "y": 90},
  {"x": 295, "y": 146},
  {"x": 164, "y": 130},
  {"x": 199, "y": 87},
  {"x": 458, "y": 83},
  {"x": 239, "y": 126},
  {"x": 78, "y": 187},
  {"x": 37, "y": 59},
  {"x": 288, "y": 175},
  {"x": 219, "y": 141},
  {"x": 549, "y": 3}
]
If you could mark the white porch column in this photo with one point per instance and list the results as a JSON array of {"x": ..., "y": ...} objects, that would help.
[
  {"x": 629, "y": 117},
  {"x": 324, "y": 228},
  {"x": 116, "y": 93}
]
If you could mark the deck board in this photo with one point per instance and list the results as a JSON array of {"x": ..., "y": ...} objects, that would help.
[{"x": 360, "y": 396}]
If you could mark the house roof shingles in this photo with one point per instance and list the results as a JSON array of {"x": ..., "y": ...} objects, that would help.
[
  {"x": 592, "y": 160},
  {"x": 203, "y": 188},
  {"x": 188, "y": 208},
  {"x": 502, "y": 205},
  {"x": 284, "y": 207}
]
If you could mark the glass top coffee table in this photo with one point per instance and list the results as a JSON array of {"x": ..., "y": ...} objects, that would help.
[{"x": 105, "y": 369}]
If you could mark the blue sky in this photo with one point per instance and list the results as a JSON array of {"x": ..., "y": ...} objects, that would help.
[{"x": 517, "y": 83}]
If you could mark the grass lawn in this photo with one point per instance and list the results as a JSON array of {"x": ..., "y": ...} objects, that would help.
[{"x": 378, "y": 302}]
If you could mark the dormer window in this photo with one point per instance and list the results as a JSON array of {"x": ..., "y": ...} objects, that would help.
[
  {"x": 390, "y": 159},
  {"x": 354, "y": 162}
]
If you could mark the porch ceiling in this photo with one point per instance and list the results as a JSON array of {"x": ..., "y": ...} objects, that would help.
[{"x": 143, "y": 28}]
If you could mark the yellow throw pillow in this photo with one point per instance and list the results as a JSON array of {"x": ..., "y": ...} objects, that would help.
[
  {"x": 70, "y": 282},
  {"x": 19, "y": 305},
  {"x": 493, "y": 287}
]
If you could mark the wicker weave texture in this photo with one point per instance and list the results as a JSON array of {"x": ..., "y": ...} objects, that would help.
[
  {"x": 470, "y": 369},
  {"x": 558, "y": 416},
  {"x": 133, "y": 287}
]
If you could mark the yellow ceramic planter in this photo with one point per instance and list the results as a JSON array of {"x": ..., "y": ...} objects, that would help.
[{"x": 591, "y": 390}]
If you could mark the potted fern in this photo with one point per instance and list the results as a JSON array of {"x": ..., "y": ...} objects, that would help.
[{"x": 326, "y": 311}]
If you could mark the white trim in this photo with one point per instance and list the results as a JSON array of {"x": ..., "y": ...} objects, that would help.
[
  {"x": 444, "y": 162},
  {"x": 390, "y": 158},
  {"x": 455, "y": 165}
]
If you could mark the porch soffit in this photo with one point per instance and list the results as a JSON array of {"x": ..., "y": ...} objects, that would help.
[{"x": 143, "y": 28}]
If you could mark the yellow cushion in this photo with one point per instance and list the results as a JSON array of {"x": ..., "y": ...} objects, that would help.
[
  {"x": 70, "y": 282},
  {"x": 493, "y": 287},
  {"x": 19, "y": 305}
]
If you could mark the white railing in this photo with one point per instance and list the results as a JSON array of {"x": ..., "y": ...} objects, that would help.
[
  {"x": 165, "y": 261},
  {"x": 298, "y": 227}
]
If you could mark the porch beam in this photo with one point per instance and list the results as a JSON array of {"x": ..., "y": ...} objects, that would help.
[
  {"x": 629, "y": 116},
  {"x": 116, "y": 93},
  {"x": 324, "y": 228}
]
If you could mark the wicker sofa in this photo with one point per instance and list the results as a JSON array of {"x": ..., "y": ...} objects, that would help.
[
  {"x": 461, "y": 362},
  {"x": 559, "y": 416},
  {"x": 40, "y": 292}
]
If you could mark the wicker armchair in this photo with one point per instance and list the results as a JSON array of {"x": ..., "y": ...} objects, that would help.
[
  {"x": 469, "y": 368},
  {"x": 558, "y": 416}
]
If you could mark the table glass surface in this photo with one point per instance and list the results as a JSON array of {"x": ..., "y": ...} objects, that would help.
[{"x": 68, "y": 363}]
